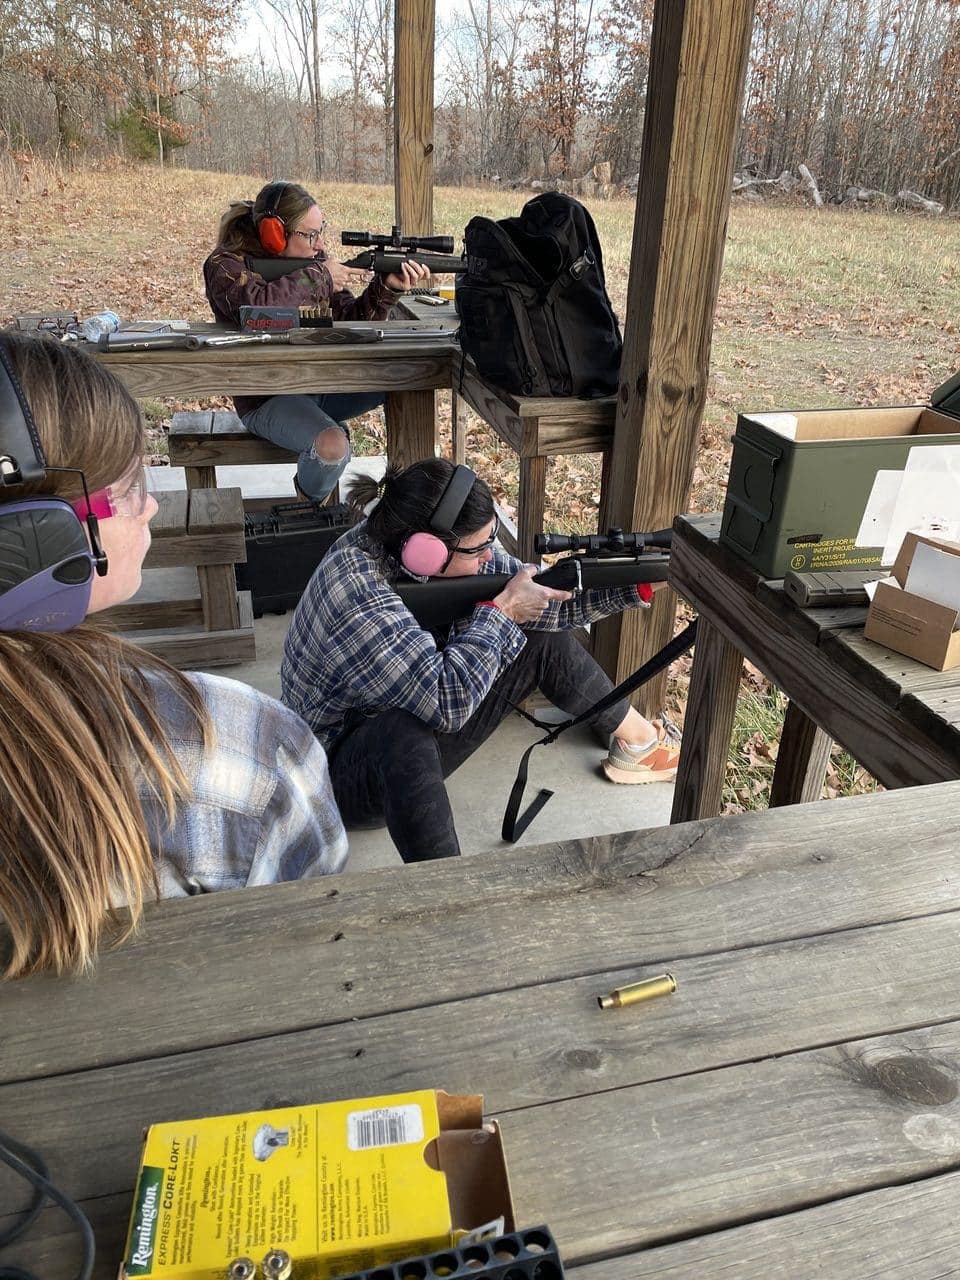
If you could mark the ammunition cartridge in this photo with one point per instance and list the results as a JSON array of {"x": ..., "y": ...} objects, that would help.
[
  {"x": 663, "y": 985},
  {"x": 242, "y": 1269},
  {"x": 277, "y": 1265}
]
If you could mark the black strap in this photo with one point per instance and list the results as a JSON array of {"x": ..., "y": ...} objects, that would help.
[{"x": 514, "y": 826}]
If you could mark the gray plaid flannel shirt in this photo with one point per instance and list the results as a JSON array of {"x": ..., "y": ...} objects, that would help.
[
  {"x": 262, "y": 809},
  {"x": 354, "y": 646}
]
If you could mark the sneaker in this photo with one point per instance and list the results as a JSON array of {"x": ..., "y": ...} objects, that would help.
[{"x": 657, "y": 764}]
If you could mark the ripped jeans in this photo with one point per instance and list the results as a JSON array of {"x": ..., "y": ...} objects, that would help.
[{"x": 294, "y": 422}]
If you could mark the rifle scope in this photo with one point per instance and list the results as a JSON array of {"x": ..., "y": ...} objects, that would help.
[
  {"x": 613, "y": 542},
  {"x": 429, "y": 244}
]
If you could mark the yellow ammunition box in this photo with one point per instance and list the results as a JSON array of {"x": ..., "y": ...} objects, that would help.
[{"x": 340, "y": 1186}]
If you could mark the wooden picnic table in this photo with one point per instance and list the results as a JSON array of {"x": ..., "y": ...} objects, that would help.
[
  {"x": 898, "y": 718},
  {"x": 791, "y": 1110},
  {"x": 408, "y": 370}
]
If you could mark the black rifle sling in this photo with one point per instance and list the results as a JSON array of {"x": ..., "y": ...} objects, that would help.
[{"x": 514, "y": 826}]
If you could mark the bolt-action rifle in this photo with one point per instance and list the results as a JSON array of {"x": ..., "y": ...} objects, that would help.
[
  {"x": 613, "y": 559},
  {"x": 385, "y": 255}
]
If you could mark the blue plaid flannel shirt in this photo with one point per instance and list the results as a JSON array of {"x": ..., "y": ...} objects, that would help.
[
  {"x": 354, "y": 646},
  {"x": 262, "y": 809}
]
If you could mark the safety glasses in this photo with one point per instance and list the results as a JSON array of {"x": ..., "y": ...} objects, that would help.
[
  {"x": 484, "y": 546},
  {"x": 127, "y": 497}
]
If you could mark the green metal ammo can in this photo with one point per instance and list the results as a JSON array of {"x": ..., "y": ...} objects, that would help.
[{"x": 800, "y": 482}]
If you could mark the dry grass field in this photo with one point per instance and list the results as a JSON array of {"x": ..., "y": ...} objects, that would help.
[{"x": 816, "y": 308}]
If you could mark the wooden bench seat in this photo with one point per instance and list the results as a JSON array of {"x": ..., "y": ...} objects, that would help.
[
  {"x": 202, "y": 528},
  {"x": 536, "y": 428},
  {"x": 200, "y": 442}
]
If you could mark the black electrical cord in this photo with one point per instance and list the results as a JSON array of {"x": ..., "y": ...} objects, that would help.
[{"x": 24, "y": 1161}]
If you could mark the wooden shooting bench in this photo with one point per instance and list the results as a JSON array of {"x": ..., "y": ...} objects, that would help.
[
  {"x": 202, "y": 528},
  {"x": 896, "y": 717},
  {"x": 536, "y": 428},
  {"x": 792, "y": 1109}
]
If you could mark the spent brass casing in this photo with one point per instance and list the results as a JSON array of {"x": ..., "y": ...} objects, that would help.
[{"x": 664, "y": 984}]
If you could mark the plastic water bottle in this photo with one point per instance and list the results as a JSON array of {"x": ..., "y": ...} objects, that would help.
[{"x": 102, "y": 322}]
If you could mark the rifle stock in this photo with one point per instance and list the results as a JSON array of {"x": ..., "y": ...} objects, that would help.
[{"x": 443, "y": 601}]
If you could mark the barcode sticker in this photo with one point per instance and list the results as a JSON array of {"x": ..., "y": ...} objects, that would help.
[{"x": 384, "y": 1127}]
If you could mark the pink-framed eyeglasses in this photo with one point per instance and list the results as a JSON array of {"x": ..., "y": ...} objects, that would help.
[{"x": 125, "y": 498}]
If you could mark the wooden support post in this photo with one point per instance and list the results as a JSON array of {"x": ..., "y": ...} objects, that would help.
[
  {"x": 707, "y": 725},
  {"x": 697, "y": 64},
  {"x": 411, "y": 426},
  {"x": 531, "y": 500},
  {"x": 802, "y": 759},
  {"x": 413, "y": 115},
  {"x": 407, "y": 437}
]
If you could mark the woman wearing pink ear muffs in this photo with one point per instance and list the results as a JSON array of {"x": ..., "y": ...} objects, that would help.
[{"x": 398, "y": 707}]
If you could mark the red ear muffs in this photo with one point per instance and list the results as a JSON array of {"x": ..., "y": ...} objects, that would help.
[
  {"x": 425, "y": 554},
  {"x": 273, "y": 233}
]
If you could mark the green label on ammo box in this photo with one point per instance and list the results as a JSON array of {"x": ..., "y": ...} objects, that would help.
[{"x": 143, "y": 1229}]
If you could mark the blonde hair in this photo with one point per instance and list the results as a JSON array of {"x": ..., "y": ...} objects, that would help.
[
  {"x": 238, "y": 226},
  {"x": 77, "y": 720}
]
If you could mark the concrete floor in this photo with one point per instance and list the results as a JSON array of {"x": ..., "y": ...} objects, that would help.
[{"x": 584, "y": 803}]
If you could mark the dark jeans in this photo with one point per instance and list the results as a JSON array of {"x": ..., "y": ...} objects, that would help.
[{"x": 389, "y": 769}]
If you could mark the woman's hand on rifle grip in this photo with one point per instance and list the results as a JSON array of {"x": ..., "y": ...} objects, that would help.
[{"x": 524, "y": 600}]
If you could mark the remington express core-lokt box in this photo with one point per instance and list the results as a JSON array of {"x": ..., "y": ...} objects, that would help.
[{"x": 340, "y": 1186}]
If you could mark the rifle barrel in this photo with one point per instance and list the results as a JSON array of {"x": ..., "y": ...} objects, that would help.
[
  {"x": 442, "y": 601},
  {"x": 385, "y": 264}
]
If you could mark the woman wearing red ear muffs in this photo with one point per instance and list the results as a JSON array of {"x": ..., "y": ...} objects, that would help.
[
  {"x": 397, "y": 707},
  {"x": 286, "y": 221}
]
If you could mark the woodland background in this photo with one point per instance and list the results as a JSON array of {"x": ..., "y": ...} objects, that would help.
[
  {"x": 126, "y": 130},
  {"x": 864, "y": 92}
]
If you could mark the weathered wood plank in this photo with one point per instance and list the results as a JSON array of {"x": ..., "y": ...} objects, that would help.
[
  {"x": 729, "y": 1009},
  {"x": 708, "y": 723},
  {"x": 812, "y": 622},
  {"x": 414, "y": 27},
  {"x": 171, "y": 518},
  {"x": 609, "y": 902},
  {"x": 215, "y": 510},
  {"x": 531, "y": 500},
  {"x": 268, "y": 371},
  {"x": 214, "y": 451},
  {"x": 698, "y": 59},
  {"x": 887, "y": 674},
  {"x": 153, "y": 614},
  {"x": 874, "y": 732},
  {"x": 203, "y": 649},
  {"x": 771, "y": 1137},
  {"x": 212, "y": 548},
  {"x": 411, "y": 426},
  {"x": 191, "y": 423},
  {"x": 802, "y": 760},
  {"x": 495, "y": 410},
  {"x": 911, "y": 1231}
]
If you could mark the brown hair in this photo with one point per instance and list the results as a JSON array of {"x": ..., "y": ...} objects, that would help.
[
  {"x": 77, "y": 721},
  {"x": 238, "y": 226}
]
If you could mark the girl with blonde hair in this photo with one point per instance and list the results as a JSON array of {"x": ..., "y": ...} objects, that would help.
[{"x": 121, "y": 778}]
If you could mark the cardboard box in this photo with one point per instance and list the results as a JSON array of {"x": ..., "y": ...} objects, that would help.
[
  {"x": 341, "y": 1186},
  {"x": 805, "y": 486},
  {"x": 913, "y": 623},
  {"x": 269, "y": 319}
]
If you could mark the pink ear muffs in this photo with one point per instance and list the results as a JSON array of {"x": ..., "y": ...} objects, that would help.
[{"x": 425, "y": 554}]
